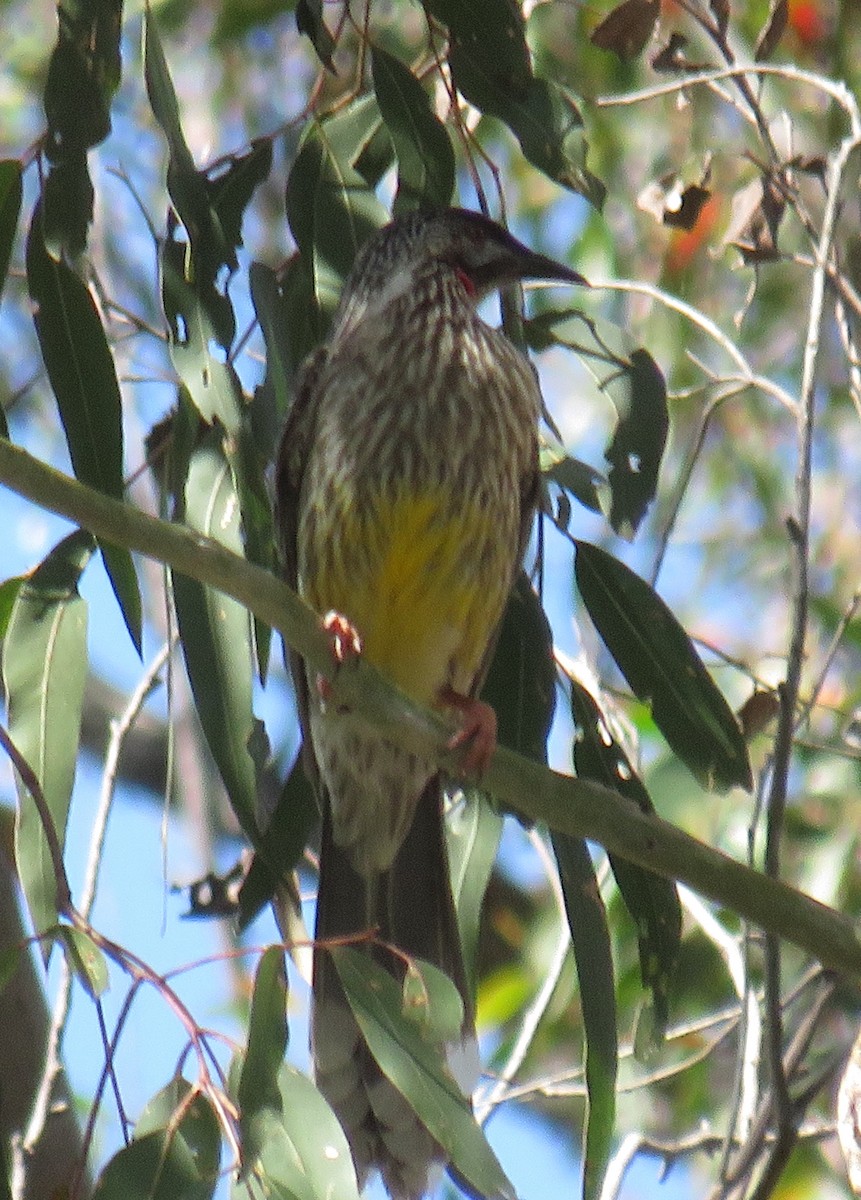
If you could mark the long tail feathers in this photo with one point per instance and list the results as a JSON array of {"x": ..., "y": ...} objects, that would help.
[{"x": 412, "y": 907}]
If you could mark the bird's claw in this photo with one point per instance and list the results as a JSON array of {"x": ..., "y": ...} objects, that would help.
[
  {"x": 477, "y": 734},
  {"x": 346, "y": 645}
]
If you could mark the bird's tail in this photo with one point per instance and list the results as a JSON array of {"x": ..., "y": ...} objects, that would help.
[{"x": 412, "y": 907}]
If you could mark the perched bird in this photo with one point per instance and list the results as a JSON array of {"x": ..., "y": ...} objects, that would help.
[{"x": 406, "y": 487}]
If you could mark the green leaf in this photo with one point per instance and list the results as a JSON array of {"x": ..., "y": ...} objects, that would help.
[
  {"x": 629, "y": 377},
  {"x": 492, "y": 34},
  {"x": 272, "y": 398},
  {"x": 664, "y": 670},
  {"x": 210, "y": 206},
  {"x": 212, "y": 382},
  {"x": 84, "y": 957},
  {"x": 544, "y": 119},
  {"x": 303, "y": 1153},
  {"x": 432, "y": 1001},
  {"x": 83, "y": 377},
  {"x": 652, "y": 900},
  {"x": 634, "y": 454},
  {"x": 309, "y": 20},
  {"x": 417, "y": 1070},
  {"x": 473, "y": 831},
  {"x": 521, "y": 682},
  {"x": 10, "y": 207},
  {"x": 8, "y": 595},
  {"x": 590, "y": 938},
  {"x": 197, "y": 1130},
  {"x": 331, "y": 212},
  {"x": 232, "y": 185},
  {"x": 44, "y": 671},
  {"x": 216, "y": 636},
  {"x": 576, "y": 478},
  {"x": 281, "y": 846},
  {"x": 83, "y": 75},
  {"x": 156, "y": 1166},
  {"x": 267, "y": 1043},
  {"x": 163, "y": 100},
  {"x": 422, "y": 144}
]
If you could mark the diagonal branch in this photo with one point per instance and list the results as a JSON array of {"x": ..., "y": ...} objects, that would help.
[{"x": 573, "y": 806}]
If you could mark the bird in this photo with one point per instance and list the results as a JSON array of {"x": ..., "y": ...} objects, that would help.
[{"x": 406, "y": 482}]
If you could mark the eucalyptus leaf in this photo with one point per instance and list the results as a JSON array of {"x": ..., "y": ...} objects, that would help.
[
  {"x": 216, "y": 636},
  {"x": 590, "y": 938},
  {"x": 424, "y": 151},
  {"x": 417, "y": 1070},
  {"x": 84, "y": 380},
  {"x": 281, "y": 845},
  {"x": 267, "y": 1043},
  {"x": 652, "y": 900},
  {"x": 660, "y": 663},
  {"x": 331, "y": 212},
  {"x": 44, "y": 671}
]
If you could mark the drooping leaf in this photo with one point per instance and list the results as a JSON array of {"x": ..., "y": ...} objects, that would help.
[
  {"x": 210, "y": 205},
  {"x": 272, "y": 399},
  {"x": 267, "y": 1041},
  {"x": 576, "y": 478},
  {"x": 491, "y": 67},
  {"x": 590, "y": 938},
  {"x": 84, "y": 380},
  {"x": 629, "y": 377},
  {"x": 303, "y": 1153},
  {"x": 161, "y": 1165},
  {"x": 212, "y": 382},
  {"x": 417, "y": 1070},
  {"x": 84, "y": 957},
  {"x": 421, "y": 141},
  {"x": 281, "y": 845},
  {"x": 10, "y": 207},
  {"x": 432, "y": 1001},
  {"x": 545, "y": 120},
  {"x": 652, "y": 900},
  {"x": 44, "y": 670},
  {"x": 473, "y": 831},
  {"x": 331, "y": 212},
  {"x": 216, "y": 636},
  {"x": 521, "y": 682},
  {"x": 197, "y": 1128},
  {"x": 83, "y": 75},
  {"x": 662, "y": 667},
  {"x": 637, "y": 446},
  {"x": 492, "y": 34},
  {"x": 772, "y": 31},
  {"x": 309, "y": 20}
]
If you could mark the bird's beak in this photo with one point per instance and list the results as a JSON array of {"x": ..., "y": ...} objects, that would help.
[{"x": 529, "y": 265}]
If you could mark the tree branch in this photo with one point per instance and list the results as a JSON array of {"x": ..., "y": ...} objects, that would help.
[{"x": 573, "y": 806}]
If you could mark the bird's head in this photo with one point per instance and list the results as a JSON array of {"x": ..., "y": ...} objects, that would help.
[{"x": 482, "y": 254}]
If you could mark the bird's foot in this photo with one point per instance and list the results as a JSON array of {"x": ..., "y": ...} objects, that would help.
[
  {"x": 346, "y": 645},
  {"x": 477, "y": 734}
]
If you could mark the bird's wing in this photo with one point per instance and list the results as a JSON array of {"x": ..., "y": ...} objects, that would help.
[{"x": 293, "y": 451}]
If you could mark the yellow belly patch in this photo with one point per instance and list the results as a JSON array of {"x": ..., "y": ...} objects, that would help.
[{"x": 413, "y": 575}]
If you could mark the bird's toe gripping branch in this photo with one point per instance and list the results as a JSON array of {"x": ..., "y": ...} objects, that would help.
[
  {"x": 346, "y": 645},
  {"x": 477, "y": 734}
]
